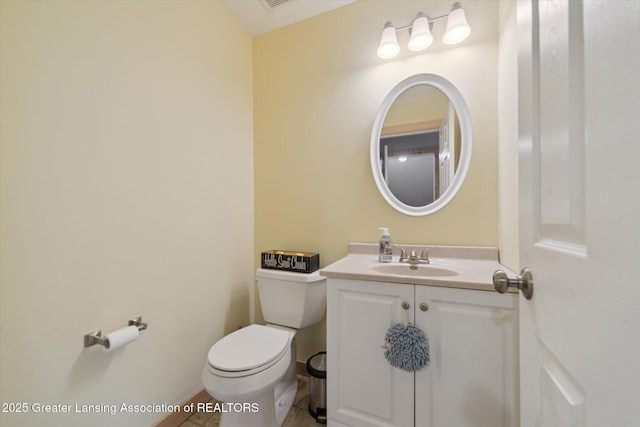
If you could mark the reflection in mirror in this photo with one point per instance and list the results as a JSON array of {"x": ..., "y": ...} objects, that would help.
[{"x": 421, "y": 144}]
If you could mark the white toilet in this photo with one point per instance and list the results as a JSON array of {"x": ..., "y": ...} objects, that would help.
[{"x": 253, "y": 370}]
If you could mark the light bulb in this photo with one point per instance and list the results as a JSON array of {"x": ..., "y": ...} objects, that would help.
[
  {"x": 421, "y": 37},
  {"x": 389, "y": 46},
  {"x": 457, "y": 27}
]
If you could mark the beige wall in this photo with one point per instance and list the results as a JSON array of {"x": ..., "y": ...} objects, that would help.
[
  {"x": 127, "y": 189},
  {"x": 317, "y": 87}
]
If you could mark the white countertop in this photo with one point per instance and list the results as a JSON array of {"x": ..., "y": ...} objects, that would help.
[{"x": 474, "y": 266}]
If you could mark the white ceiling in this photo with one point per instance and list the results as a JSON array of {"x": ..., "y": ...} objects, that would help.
[{"x": 254, "y": 17}]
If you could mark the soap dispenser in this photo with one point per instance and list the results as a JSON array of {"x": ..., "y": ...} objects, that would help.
[{"x": 385, "y": 250}]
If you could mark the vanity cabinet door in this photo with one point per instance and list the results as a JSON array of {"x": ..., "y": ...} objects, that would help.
[
  {"x": 362, "y": 388},
  {"x": 472, "y": 377}
]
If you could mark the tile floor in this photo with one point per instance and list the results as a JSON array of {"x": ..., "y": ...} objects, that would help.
[{"x": 298, "y": 416}]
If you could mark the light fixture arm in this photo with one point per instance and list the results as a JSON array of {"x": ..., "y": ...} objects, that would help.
[{"x": 430, "y": 20}]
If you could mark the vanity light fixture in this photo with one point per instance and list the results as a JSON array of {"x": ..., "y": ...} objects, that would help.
[
  {"x": 389, "y": 46},
  {"x": 457, "y": 30}
]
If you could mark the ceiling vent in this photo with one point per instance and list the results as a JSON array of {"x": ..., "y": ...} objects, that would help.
[{"x": 272, "y": 5}]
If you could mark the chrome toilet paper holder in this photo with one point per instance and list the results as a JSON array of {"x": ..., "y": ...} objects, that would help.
[{"x": 96, "y": 337}]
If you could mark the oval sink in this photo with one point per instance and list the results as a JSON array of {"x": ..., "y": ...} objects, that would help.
[{"x": 421, "y": 270}]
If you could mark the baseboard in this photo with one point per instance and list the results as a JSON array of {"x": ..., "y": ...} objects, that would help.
[
  {"x": 174, "y": 419},
  {"x": 301, "y": 368}
]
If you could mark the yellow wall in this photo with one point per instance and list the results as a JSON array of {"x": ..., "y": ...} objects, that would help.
[
  {"x": 128, "y": 184},
  {"x": 127, "y": 189},
  {"x": 317, "y": 87},
  {"x": 430, "y": 107}
]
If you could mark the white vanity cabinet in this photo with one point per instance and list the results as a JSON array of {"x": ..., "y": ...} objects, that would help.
[{"x": 472, "y": 376}]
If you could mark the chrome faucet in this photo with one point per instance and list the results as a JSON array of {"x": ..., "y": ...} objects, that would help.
[{"x": 413, "y": 259}]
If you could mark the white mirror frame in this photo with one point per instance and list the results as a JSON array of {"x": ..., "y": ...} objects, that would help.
[{"x": 455, "y": 97}]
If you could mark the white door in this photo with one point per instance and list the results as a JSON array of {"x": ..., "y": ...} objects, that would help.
[
  {"x": 447, "y": 153},
  {"x": 579, "y": 109}
]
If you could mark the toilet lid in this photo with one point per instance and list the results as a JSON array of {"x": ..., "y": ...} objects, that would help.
[{"x": 248, "y": 348}]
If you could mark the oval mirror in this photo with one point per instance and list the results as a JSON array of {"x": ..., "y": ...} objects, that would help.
[{"x": 421, "y": 144}]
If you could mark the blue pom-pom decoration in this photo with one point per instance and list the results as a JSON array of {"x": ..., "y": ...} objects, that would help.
[{"x": 408, "y": 347}]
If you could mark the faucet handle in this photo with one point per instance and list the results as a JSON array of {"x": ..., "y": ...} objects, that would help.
[
  {"x": 403, "y": 255},
  {"x": 424, "y": 255}
]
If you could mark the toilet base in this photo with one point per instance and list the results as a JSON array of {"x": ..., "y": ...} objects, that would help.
[
  {"x": 273, "y": 406},
  {"x": 285, "y": 395}
]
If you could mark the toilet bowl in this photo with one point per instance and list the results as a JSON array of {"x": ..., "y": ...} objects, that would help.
[
  {"x": 247, "y": 383},
  {"x": 253, "y": 370}
]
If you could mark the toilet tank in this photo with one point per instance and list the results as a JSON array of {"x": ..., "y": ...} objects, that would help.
[{"x": 296, "y": 300}]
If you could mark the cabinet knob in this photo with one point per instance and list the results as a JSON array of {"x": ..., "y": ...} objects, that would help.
[
  {"x": 406, "y": 305},
  {"x": 424, "y": 306}
]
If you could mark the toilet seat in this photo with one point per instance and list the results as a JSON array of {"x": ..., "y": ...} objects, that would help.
[{"x": 248, "y": 351}]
